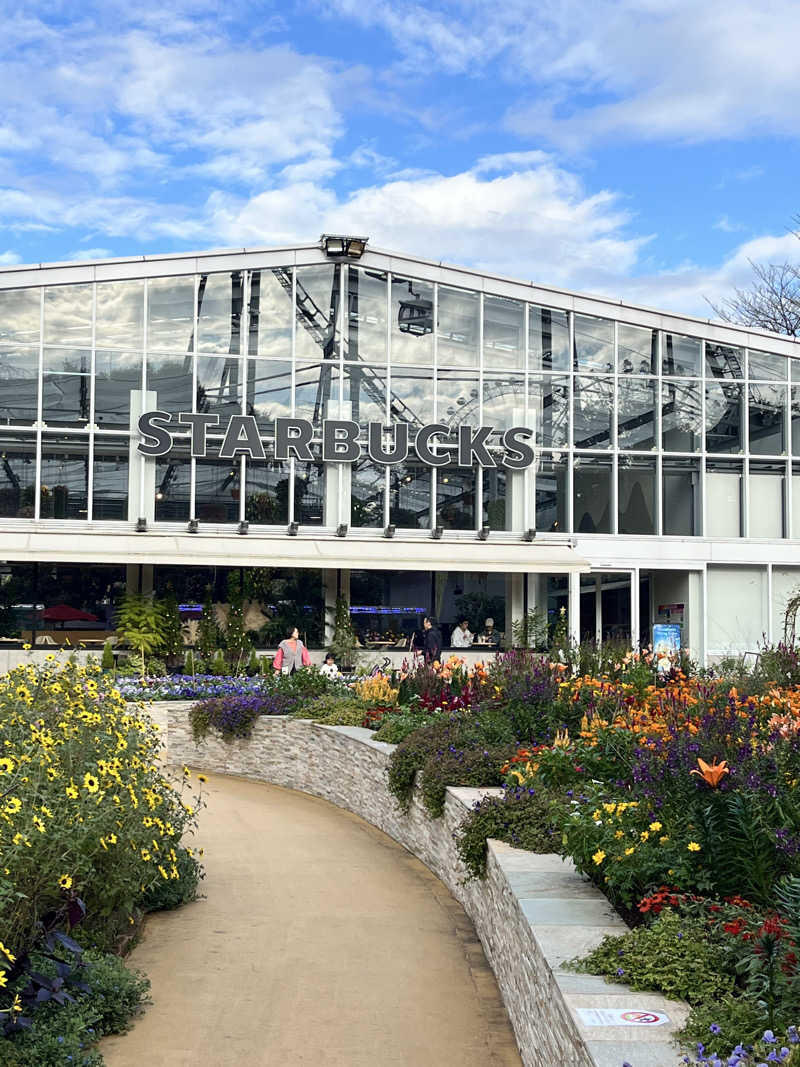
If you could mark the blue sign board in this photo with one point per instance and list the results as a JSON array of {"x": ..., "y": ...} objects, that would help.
[{"x": 667, "y": 638}]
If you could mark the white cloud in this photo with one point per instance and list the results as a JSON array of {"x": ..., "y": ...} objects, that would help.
[
  {"x": 8, "y": 258},
  {"x": 79, "y": 254}
]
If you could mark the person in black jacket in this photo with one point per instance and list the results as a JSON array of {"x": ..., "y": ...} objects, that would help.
[{"x": 432, "y": 642}]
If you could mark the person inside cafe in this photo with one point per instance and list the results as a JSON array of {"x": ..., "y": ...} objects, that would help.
[
  {"x": 432, "y": 640},
  {"x": 461, "y": 636},
  {"x": 489, "y": 636}
]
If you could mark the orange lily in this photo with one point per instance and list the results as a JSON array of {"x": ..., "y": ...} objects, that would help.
[{"x": 711, "y": 773}]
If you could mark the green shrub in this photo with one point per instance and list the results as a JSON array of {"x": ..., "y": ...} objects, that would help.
[
  {"x": 334, "y": 709},
  {"x": 396, "y": 725},
  {"x": 116, "y": 993},
  {"x": 107, "y": 661},
  {"x": 467, "y": 767},
  {"x": 521, "y": 818},
  {"x": 175, "y": 892}
]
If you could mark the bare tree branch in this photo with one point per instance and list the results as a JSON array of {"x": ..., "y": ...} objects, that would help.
[{"x": 772, "y": 302}]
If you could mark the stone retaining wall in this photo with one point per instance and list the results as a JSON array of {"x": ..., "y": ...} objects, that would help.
[{"x": 531, "y": 913}]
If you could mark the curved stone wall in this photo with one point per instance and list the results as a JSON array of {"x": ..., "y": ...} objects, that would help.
[{"x": 532, "y": 912}]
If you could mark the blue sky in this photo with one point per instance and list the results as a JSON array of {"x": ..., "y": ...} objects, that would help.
[{"x": 644, "y": 149}]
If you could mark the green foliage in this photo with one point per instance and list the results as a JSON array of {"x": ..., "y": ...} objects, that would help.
[
  {"x": 521, "y": 818},
  {"x": 478, "y": 607},
  {"x": 344, "y": 640},
  {"x": 398, "y": 723},
  {"x": 530, "y": 631},
  {"x": 476, "y": 767},
  {"x": 107, "y": 660},
  {"x": 253, "y": 663},
  {"x": 165, "y": 895},
  {"x": 237, "y": 643},
  {"x": 209, "y": 638},
  {"x": 171, "y": 633},
  {"x": 739, "y": 1018},
  {"x": 334, "y": 709},
  {"x": 140, "y": 624}
]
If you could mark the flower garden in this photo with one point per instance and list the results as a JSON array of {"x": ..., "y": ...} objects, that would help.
[{"x": 92, "y": 836}]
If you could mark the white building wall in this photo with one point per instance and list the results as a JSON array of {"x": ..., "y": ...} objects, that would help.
[{"x": 737, "y": 609}]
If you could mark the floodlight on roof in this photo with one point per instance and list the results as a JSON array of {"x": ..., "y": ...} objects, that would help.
[{"x": 342, "y": 246}]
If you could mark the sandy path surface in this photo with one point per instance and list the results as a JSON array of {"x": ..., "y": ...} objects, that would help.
[{"x": 320, "y": 941}]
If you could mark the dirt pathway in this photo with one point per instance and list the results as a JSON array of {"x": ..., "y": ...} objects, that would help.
[{"x": 320, "y": 941}]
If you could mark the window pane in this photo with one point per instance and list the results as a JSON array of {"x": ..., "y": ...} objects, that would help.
[
  {"x": 593, "y": 411},
  {"x": 217, "y": 486},
  {"x": 120, "y": 314},
  {"x": 503, "y": 333},
  {"x": 411, "y": 397},
  {"x": 504, "y": 402},
  {"x": 267, "y": 502},
  {"x": 316, "y": 392},
  {"x": 66, "y": 385},
  {"x": 110, "y": 485},
  {"x": 795, "y": 409},
  {"x": 317, "y": 311},
  {"x": 308, "y": 493},
  {"x": 458, "y": 327},
  {"x": 412, "y": 322},
  {"x": 794, "y": 369},
  {"x": 410, "y": 495},
  {"x": 551, "y": 495},
  {"x": 368, "y": 485},
  {"x": 68, "y": 315},
  {"x": 170, "y": 378},
  {"x": 637, "y": 495},
  {"x": 269, "y": 391},
  {"x": 637, "y": 350},
  {"x": 117, "y": 375},
  {"x": 681, "y": 416},
  {"x": 19, "y": 316},
  {"x": 19, "y": 385},
  {"x": 65, "y": 477},
  {"x": 367, "y": 316},
  {"x": 766, "y": 499},
  {"x": 682, "y": 511},
  {"x": 548, "y": 409},
  {"x": 724, "y": 498},
  {"x": 173, "y": 475},
  {"x": 170, "y": 314},
  {"x": 767, "y": 415},
  {"x": 496, "y": 510},
  {"x": 594, "y": 344},
  {"x": 681, "y": 356},
  {"x": 457, "y": 396},
  {"x": 455, "y": 498},
  {"x": 219, "y": 312},
  {"x": 591, "y": 477},
  {"x": 365, "y": 394},
  {"x": 219, "y": 386},
  {"x": 17, "y": 475},
  {"x": 765, "y": 366},
  {"x": 724, "y": 418},
  {"x": 724, "y": 361},
  {"x": 636, "y": 425},
  {"x": 271, "y": 313},
  {"x": 548, "y": 339}
]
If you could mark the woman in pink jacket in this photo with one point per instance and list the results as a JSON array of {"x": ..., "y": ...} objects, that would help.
[{"x": 292, "y": 654}]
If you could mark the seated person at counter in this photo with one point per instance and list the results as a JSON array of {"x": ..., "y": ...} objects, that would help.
[
  {"x": 489, "y": 636},
  {"x": 461, "y": 636}
]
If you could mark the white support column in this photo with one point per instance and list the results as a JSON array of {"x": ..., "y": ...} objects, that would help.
[
  {"x": 635, "y": 608},
  {"x": 141, "y": 470},
  {"x": 598, "y": 610},
  {"x": 574, "y": 608},
  {"x": 515, "y": 606}
]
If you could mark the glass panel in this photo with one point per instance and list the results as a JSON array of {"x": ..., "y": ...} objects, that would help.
[
  {"x": 764, "y": 366},
  {"x": 17, "y": 475},
  {"x": 368, "y": 490},
  {"x": 117, "y": 375},
  {"x": 410, "y": 496},
  {"x": 503, "y": 333},
  {"x": 593, "y": 411},
  {"x": 271, "y": 313},
  {"x": 458, "y": 327},
  {"x": 316, "y": 392},
  {"x": 723, "y": 498},
  {"x": 219, "y": 386},
  {"x": 365, "y": 393},
  {"x": 724, "y": 361},
  {"x": 551, "y": 494},
  {"x": 170, "y": 313},
  {"x": 19, "y": 385},
  {"x": 548, "y": 339},
  {"x": 173, "y": 479},
  {"x": 496, "y": 513},
  {"x": 767, "y": 415},
  {"x": 411, "y": 397},
  {"x": 794, "y": 369},
  {"x": 636, "y": 416},
  {"x": 269, "y": 391},
  {"x": 504, "y": 402},
  {"x": 65, "y": 477},
  {"x": 19, "y": 316},
  {"x": 637, "y": 350},
  {"x": 217, "y": 486},
  {"x": 308, "y": 493},
  {"x": 455, "y": 498},
  {"x": 594, "y": 344},
  {"x": 682, "y": 511},
  {"x": 766, "y": 499},
  {"x": 317, "y": 335},
  {"x": 795, "y": 501},
  {"x": 267, "y": 483},
  {"x": 219, "y": 312},
  {"x": 724, "y": 418},
  {"x": 412, "y": 322},
  {"x": 548, "y": 409},
  {"x": 110, "y": 485},
  {"x": 682, "y": 356},
  {"x": 66, "y": 385},
  {"x": 120, "y": 314},
  {"x": 591, "y": 487},
  {"x": 795, "y": 414},
  {"x": 681, "y": 416},
  {"x": 68, "y": 315},
  {"x": 367, "y": 316},
  {"x": 457, "y": 395},
  {"x": 170, "y": 378},
  {"x": 636, "y": 499}
]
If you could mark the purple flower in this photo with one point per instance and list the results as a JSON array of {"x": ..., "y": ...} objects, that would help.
[{"x": 715, "y": 1028}]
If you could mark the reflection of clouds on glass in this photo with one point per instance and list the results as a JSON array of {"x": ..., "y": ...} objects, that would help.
[
  {"x": 68, "y": 315},
  {"x": 503, "y": 333},
  {"x": 219, "y": 312},
  {"x": 681, "y": 356},
  {"x": 120, "y": 314},
  {"x": 548, "y": 409},
  {"x": 636, "y": 349},
  {"x": 724, "y": 417},
  {"x": 366, "y": 315},
  {"x": 269, "y": 390},
  {"x": 170, "y": 377},
  {"x": 593, "y": 410},
  {"x": 504, "y": 402},
  {"x": 170, "y": 313},
  {"x": 767, "y": 414},
  {"x": 219, "y": 384},
  {"x": 67, "y": 361},
  {"x": 411, "y": 396},
  {"x": 636, "y": 414},
  {"x": 763, "y": 366},
  {"x": 411, "y": 314},
  {"x": 317, "y": 305},
  {"x": 65, "y": 474},
  {"x": 457, "y": 398},
  {"x": 19, "y": 374},
  {"x": 457, "y": 327},
  {"x": 594, "y": 343},
  {"x": 19, "y": 316},
  {"x": 365, "y": 392},
  {"x": 271, "y": 302},
  {"x": 681, "y": 416},
  {"x": 548, "y": 339},
  {"x": 316, "y": 391}
]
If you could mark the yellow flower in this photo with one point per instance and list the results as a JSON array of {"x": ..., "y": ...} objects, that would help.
[
  {"x": 6, "y": 765},
  {"x": 598, "y": 857},
  {"x": 90, "y": 782},
  {"x": 13, "y": 805},
  {"x": 202, "y": 778},
  {"x": 655, "y": 826},
  {"x": 37, "y": 822},
  {"x": 663, "y": 840},
  {"x": 3, "y": 980},
  {"x": 619, "y": 834},
  {"x": 629, "y": 851},
  {"x": 643, "y": 836},
  {"x": 112, "y": 839},
  {"x": 65, "y": 881},
  {"x": 8, "y": 955},
  {"x": 693, "y": 846},
  {"x": 72, "y": 791}
]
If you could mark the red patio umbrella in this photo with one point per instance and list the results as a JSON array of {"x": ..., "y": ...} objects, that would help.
[{"x": 64, "y": 613}]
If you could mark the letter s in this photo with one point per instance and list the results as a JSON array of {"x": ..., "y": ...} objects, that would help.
[
  {"x": 160, "y": 439},
  {"x": 519, "y": 453}
]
